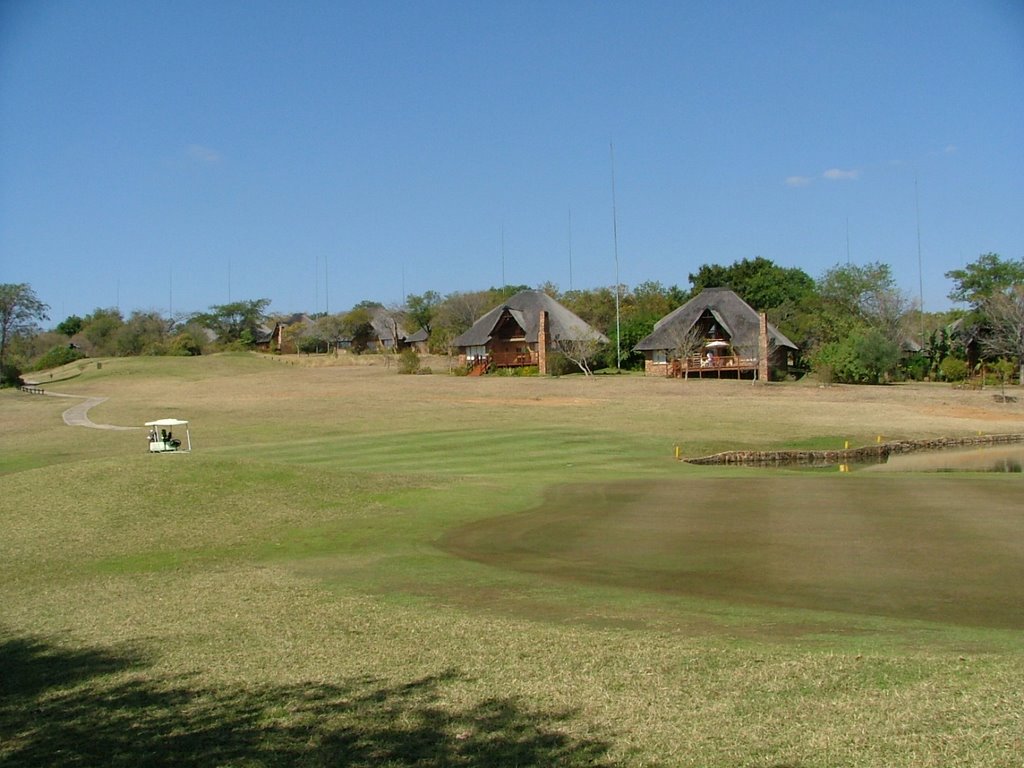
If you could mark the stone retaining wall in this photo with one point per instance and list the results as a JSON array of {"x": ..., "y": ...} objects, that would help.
[{"x": 874, "y": 453}]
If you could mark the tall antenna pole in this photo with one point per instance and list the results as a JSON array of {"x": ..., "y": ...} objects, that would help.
[
  {"x": 847, "y": 241},
  {"x": 920, "y": 270},
  {"x": 170, "y": 293},
  {"x": 327, "y": 289},
  {"x": 316, "y": 283},
  {"x": 615, "y": 239},
  {"x": 570, "y": 248},
  {"x": 503, "y": 255}
]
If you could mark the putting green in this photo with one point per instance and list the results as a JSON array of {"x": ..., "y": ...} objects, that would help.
[{"x": 948, "y": 549}]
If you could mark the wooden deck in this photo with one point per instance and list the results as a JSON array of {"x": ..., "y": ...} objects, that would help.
[
  {"x": 512, "y": 360},
  {"x": 722, "y": 367}
]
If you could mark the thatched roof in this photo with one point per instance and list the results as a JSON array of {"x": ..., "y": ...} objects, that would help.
[
  {"x": 525, "y": 308},
  {"x": 737, "y": 318}
]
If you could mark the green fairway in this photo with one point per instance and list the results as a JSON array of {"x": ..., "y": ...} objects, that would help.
[
  {"x": 364, "y": 569},
  {"x": 904, "y": 548}
]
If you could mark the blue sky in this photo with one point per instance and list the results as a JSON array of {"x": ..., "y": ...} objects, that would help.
[{"x": 175, "y": 155}]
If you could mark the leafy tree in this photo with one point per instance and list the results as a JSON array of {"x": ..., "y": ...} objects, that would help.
[
  {"x": 834, "y": 361},
  {"x": 330, "y": 328},
  {"x": 421, "y": 310},
  {"x": 303, "y": 336},
  {"x": 876, "y": 355},
  {"x": 189, "y": 341},
  {"x": 237, "y": 322},
  {"x": 20, "y": 311},
  {"x": 633, "y": 328},
  {"x": 71, "y": 325},
  {"x": 357, "y": 325},
  {"x": 850, "y": 295},
  {"x": 596, "y": 307},
  {"x": 759, "y": 281},
  {"x": 100, "y": 330},
  {"x": 652, "y": 301},
  {"x": 144, "y": 333},
  {"x": 866, "y": 357},
  {"x": 988, "y": 275}
]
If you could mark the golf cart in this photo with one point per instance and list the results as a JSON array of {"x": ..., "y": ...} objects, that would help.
[{"x": 162, "y": 439}]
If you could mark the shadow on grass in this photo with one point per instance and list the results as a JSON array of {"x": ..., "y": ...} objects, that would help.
[{"x": 62, "y": 707}]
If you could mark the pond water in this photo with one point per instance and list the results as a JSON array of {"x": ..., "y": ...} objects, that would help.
[{"x": 996, "y": 458}]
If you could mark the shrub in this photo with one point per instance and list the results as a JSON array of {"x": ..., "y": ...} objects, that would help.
[
  {"x": 916, "y": 367},
  {"x": 834, "y": 362},
  {"x": 10, "y": 375},
  {"x": 408, "y": 361},
  {"x": 953, "y": 369},
  {"x": 876, "y": 356},
  {"x": 560, "y": 365},
  {"x": 57, "y": 357},
  {"x": 185, "y": 345}
]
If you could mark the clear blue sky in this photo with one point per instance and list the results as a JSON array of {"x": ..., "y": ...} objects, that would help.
[{"x": 175, "y": 155}]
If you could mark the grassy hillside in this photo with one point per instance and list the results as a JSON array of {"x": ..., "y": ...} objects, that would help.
[{"x": 360, "y": 568}]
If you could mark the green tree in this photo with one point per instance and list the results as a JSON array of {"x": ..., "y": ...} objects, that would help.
[
  {"x": 100, "y": 329},
  {"x": 876, "y": 355},
  {"x": 421, "y": 309},
  {"x": 144, "y": 333},
  {"x": 357, "y": 326},
  {"x": 652, "y": 301},
  {"x": 596, "y": 307},
  {"x": 237, "y": 322},
  {"x": 866, "y": 294},
  {"x": 20, "y": 311},
  {"x": 71, "y": 325},
  {"x": 189, "y": 340},
  {"x": 759, "y": 281},
  {"x": 984, "y": 277},
  {"x": 330, "y": 328}
]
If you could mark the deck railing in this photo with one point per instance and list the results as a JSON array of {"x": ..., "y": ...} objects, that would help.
[
  {"x": 512, "y": 359},
  {"x": 695, "y": 365}
]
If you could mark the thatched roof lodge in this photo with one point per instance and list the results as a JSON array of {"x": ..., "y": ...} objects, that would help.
[
  {"x": 716, "y": 334},
  {"x": 521, "y": 332}
]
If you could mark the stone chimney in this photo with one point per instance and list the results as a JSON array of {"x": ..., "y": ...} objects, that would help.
[
  {"x": 542, "y": 344},
  {"x": 762, "y": 348}
]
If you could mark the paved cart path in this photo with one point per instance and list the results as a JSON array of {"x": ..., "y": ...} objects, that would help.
[{"x": 78, "y": 414}]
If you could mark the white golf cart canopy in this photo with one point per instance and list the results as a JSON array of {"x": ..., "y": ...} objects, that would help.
[{"x": 162, "y": 439}]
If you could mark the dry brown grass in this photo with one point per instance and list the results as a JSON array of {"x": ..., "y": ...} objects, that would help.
[{"x": 277, "y": 597}]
